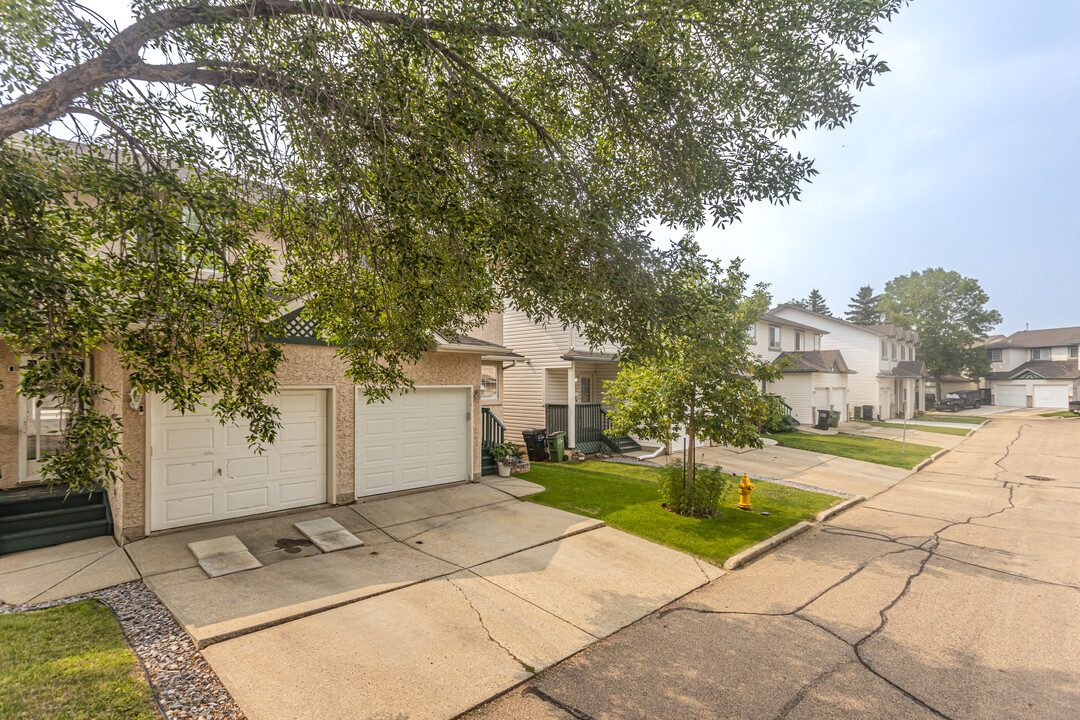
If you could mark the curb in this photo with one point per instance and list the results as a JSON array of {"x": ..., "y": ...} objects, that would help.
[
  {"x": 928, "y": 460},
  {"x": 766, "y": 545},
  {"x": 838, "y": 508}
]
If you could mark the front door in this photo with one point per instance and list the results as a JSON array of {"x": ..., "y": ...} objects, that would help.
[{"x": 40, "y": 433}]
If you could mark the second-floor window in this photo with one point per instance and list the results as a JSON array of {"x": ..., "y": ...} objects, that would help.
[
  {"x": 903, "y": 352},
  {"x": 489, "y": 382},
  {"x": 894, "y": 351},
  {"x": 995, "y": 355},
  {"x": 1074, "y": 351},
  {"x": 1040, "y": 353},
  {"x": 884, "y": 350},
  {"x": 798, "y": 341},
  {"x": 774, "y": 337},
  {"x": 817, "y": 341}
]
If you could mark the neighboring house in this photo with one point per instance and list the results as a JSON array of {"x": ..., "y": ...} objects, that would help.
[
  {"x": 815, "y": 380},
  {"x": 558, "y": 385},
  {"x": 884, "y": 371},
  {"x": 1035, "y": 368},
  {"x": 333, "y": 446}
]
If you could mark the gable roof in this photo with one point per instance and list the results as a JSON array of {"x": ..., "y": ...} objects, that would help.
[
  {"x": 825, "y": 317},
  {"x": 830, "y": 361},
  {"x": 1039, "y": 338},
  {"x": 769, "y": 317},
  {"x": 1046, "y": 369}
]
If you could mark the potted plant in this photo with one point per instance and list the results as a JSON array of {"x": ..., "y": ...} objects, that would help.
[{"x": 505, "y": 455}]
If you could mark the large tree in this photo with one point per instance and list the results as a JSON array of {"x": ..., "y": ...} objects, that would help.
[
  {"x": 863, "y": 308},
  {"x": 949, "y": 312},
  {"x": 815, "y": 302},
  {"x": 702, "y": 377},
  {"x": 404, "y": 168}
]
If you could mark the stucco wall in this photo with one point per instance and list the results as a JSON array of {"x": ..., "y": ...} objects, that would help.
[
  {"x": 304, "y": 365},
  {"x": 9, "y": 417}
]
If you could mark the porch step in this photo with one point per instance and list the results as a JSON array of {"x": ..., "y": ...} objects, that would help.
[
  {"x": 627, "y": 444},
  {"x": 488, "y": 466},
  {"x": 40, "y": 517}
]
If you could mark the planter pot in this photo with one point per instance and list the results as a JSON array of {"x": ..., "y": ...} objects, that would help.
[{"x": 504, "y": 470}]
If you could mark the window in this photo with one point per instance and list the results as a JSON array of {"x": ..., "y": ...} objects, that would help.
[
  {"x": 1074, "y": 351},
  {"x": 798, "y": 341},
  {"x": 752, "y": 332},
  {"x": 1040, "y": 353},
  {"x": 774, "y": 337},
  {"x": 903, "y": 352},
  {"x": 995, "y": 355},
  {"x": 884, "y": 350},
  {"x": 584, "y": 390},
  {"x": 817, "y": 341},
  {"x": 489, "y": 382},
  {"x": 894, "y": 351},
  {"x": 911, "y": 354}
]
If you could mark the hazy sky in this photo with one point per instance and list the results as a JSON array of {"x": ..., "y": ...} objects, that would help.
[{"x": 966, "y": 156}]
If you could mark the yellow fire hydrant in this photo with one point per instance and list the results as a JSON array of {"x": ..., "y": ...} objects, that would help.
[{"x": 744, "y": 492}]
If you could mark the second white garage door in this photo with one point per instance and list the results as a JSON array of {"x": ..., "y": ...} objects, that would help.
[
  {"x": 1010, "y": 395},
  {"x": 1051, "y": 396},
  {"x": 414, "y": 440}
]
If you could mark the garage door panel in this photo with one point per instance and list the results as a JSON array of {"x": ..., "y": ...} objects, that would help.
[
  {"x": 1051, "y": 396},
  {"x": 429, "y": 446},
  {"x": 230, "y": 479},
  {"x": 1010, "y": 395}
]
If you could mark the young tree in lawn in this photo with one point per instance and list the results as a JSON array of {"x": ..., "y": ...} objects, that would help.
[
  {"x": 949, "y": 312},
  {"x": 815, "y": 302},
  {"x": 702, "y": 376},
  {"x": 403, "y": 168},
  {"x": 863, "y": 308}
]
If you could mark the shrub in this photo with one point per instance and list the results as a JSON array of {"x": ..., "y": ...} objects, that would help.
[
  {"x": 711, "y": 484},
  {"x": 506, "y": 453}
]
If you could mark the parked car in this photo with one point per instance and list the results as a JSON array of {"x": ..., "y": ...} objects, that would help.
[{"x": 960, "y": 400}]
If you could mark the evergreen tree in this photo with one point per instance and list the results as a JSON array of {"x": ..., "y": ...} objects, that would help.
[
  {"x": 815, "y": 302},
  {"x": 863, "y": 307}
]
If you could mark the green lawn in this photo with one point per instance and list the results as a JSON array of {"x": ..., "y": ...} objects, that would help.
[
  {"x": 1059, "y": 413},
  {"x": 875, "y": 450},
  {"x": 926, "y": 428},
  {"x": 627, "y": 497},
  {"x": 938, "y": 417},
  {"x": 70, "y": 662}
]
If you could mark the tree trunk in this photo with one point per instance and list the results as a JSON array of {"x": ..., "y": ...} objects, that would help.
[
  {"x": 937, "y": 380},
  {"x": 691, "y": 459}
]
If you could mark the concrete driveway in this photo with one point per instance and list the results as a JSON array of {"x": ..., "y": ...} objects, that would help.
[
  {"x": 954, "y": 594},
  {"x": 456, "y": 595},
  {"x": 837, "y": 474}
]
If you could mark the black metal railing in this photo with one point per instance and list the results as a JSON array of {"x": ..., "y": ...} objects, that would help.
[
  {"x": 492, "y": 431},
  {"x": 555, "y": 418},
  {"x": 591, "y": 423}
]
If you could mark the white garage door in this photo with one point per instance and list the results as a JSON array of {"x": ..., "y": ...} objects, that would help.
[
  {"x": 202, "y": 471},
  {"x": 1051, "y": 396},
  {"x": 1010, "y": 395},
  {"x": 414, "y": 440}
]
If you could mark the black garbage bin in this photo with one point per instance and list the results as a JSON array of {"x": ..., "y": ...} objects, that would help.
[
  {"x": 536, "y": 444},
  {"x": 867, "y": 412},
  {"x": 823, "y": 417}
]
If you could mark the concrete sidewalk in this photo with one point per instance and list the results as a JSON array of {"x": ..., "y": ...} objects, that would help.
[{"x": 829, "y": 472}]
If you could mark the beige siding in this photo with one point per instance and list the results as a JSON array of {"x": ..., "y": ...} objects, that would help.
[
  {"x": 797, "y": 391},
  {"x": 542, "y": 348},
  {"x": 556, "y": 386}
]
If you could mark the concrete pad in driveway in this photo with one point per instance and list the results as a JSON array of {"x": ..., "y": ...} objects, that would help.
[
  {"x": 269, "y": 539},
  {"x": 213, "y": 609},
  {"x": 384, "y": 512},
  {"x": 96, "y": 564},
  {"x": 429, "y": 651},
  {"x": 601, "y": 580},
  {"x": 483, "y": 536}
]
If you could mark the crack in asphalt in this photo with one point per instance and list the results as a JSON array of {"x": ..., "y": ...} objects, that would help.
[
  {"x": 805, "y": 689},
  {"x": 568, "y": 709}
]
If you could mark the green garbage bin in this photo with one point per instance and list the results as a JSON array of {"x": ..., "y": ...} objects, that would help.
[
  {"x": 834, "y": 419},
  {"x": 858, "y": 412},
  {"x": 557, "y": 446}
]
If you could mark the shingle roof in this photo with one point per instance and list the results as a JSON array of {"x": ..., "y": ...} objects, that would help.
[
  {"x": 573, "y": 354},
  {"x": 907, "y": 369},
  {"x": 815, "y": 361},
  {"x": 1049, "y": 369},
  {"x": 777, "y": 320},
  {"x": 826, "y": 317},
  {"x": 1039, "y": 338}
]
